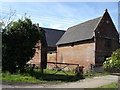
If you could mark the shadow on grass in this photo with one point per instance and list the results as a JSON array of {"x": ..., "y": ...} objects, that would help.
[
  {"x": 59, "y": 77},
  {"x": 55, "y": 77}
]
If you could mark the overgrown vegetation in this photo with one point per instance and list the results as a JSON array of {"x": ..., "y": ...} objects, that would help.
[
  {"x": 113, "y": 61},
  {"x": 18, "y": 44}
]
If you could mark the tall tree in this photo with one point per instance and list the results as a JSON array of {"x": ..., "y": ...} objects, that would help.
[
  {"x": 19, "y": 39},
  {"x": 7, "y": 18}
]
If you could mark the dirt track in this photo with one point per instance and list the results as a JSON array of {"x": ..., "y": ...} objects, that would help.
[{"x": 86, "y": 83}]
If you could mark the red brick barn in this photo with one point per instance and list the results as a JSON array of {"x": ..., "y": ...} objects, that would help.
[
  {"x": 88, "y": 43},
  {"x": 46, "y": 48}
]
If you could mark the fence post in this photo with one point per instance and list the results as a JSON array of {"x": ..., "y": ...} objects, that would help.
[{"x": 79, "y": 71}]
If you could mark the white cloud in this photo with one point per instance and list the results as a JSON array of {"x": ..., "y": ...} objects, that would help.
[
  {"x": 58, "y": 15},
  {"x": 55, "y": 26}
]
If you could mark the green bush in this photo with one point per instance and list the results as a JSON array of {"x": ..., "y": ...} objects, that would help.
[
  {"x": 18, "y": 44},
  {"x": 113, "y": 61}
]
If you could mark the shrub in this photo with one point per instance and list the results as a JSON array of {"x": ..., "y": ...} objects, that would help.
[
  {"x": 19, "y": 40},
  {"x": 113, "y": 61}
]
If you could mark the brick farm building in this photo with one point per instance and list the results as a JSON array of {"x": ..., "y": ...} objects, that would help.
[{"x": 87, "y": 44}]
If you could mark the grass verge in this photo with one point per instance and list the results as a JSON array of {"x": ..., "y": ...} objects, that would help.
[
  {"x": 111, "y": 85},
  {"x": 94, "y": 74}
]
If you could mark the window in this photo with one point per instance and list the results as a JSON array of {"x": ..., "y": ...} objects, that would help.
[{"x": 107, "y": 43}]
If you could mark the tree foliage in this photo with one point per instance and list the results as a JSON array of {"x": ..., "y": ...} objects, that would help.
[
  {"x": 113, "y": 61},
  {"x": 18, "y": 39}
]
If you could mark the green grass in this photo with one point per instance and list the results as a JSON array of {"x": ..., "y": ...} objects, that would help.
[
  {"x": 48, "y": 76},
  {"x": 37, "y": 76},
  {"x": 19, "y": 78},
  {"x": 111, "y": 85},
  {"x": 94, "y": 74}
]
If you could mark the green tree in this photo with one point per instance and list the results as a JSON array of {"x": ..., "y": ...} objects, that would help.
[
  {"x": 113, "y": 61},
  {"x": 1, "y": 24},
  {"x": 19, "y": 39}
]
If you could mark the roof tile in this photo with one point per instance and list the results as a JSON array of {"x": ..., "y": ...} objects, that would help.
[{"x": 79, "y": 32}]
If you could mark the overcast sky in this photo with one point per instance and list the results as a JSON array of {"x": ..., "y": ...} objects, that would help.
[{"x": 60, "y": 15}]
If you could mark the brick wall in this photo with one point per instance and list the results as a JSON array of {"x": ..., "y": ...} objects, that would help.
[
  {"x": 82, "y": 54},
  {"x": 37, "y": 57},
  {"x": 51, "y": 57}
]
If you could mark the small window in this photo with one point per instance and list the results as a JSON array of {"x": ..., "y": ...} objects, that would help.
[{"x": 108, "y": 43}]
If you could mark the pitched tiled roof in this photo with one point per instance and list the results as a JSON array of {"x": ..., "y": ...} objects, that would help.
[
  {"x": 52, "y": 36},
  {"x": 79, "y": 32}
]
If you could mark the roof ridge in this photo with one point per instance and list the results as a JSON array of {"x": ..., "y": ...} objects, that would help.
[
  {"x": 98, "y": 23},
  {"x": 84, "y": 22}
]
